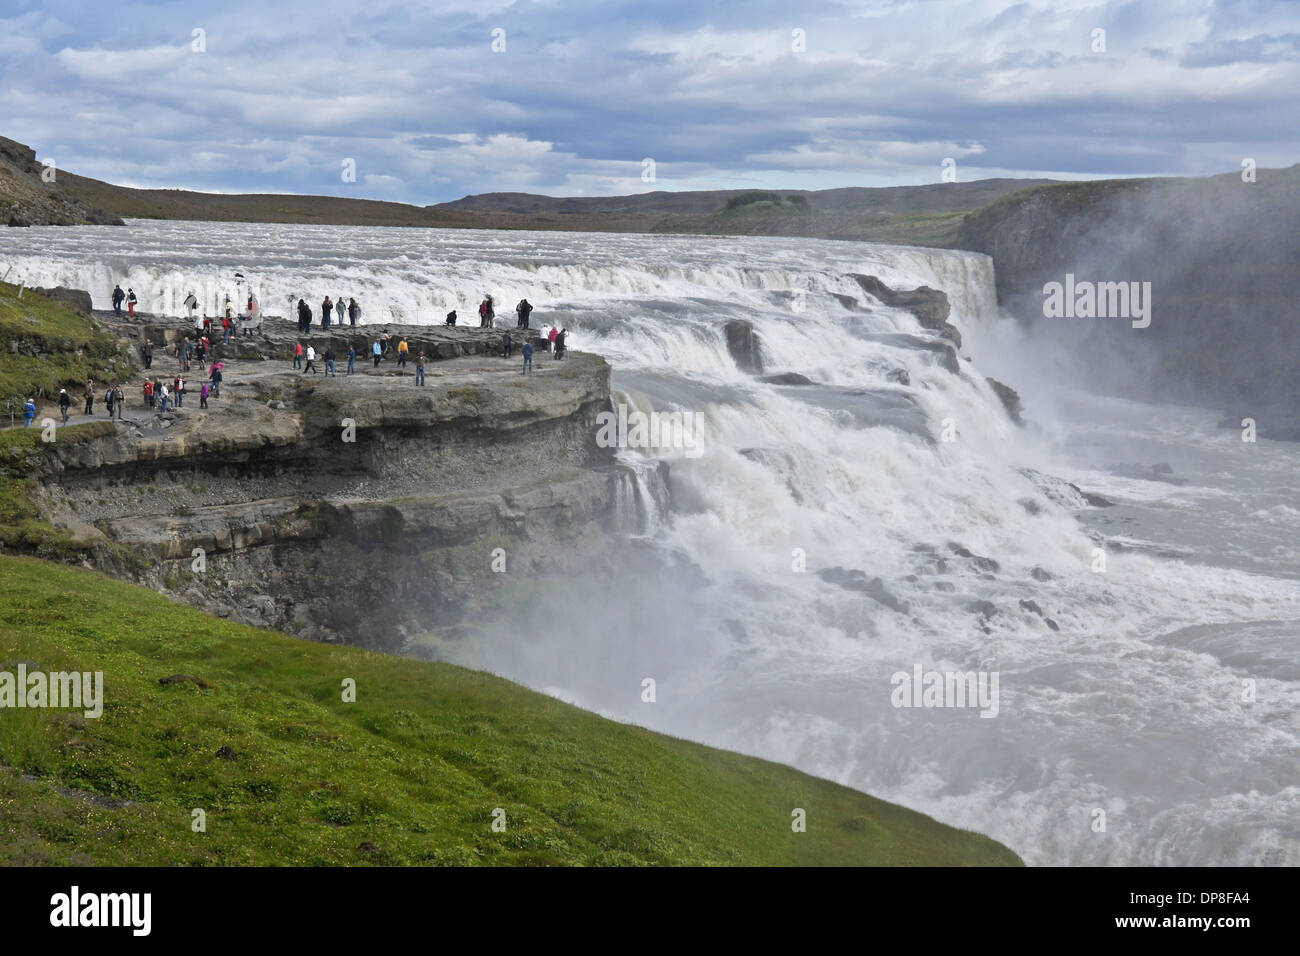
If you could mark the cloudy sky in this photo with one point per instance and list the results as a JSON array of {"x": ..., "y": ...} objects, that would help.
[{"x": 436, "y": 100}]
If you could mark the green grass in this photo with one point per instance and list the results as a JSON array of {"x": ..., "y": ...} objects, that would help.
[
  {"x": 56, "y": 348},
  {"x": 408, "y": 774}
]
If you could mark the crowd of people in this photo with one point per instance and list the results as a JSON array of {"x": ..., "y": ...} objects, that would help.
[{"x": 159, "y": 394}]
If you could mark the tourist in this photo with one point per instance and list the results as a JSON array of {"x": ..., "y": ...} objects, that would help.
[
  {"x": 329, "y": 360},
  {"x": 130, "y": 302},
  {"x": 146, "y": 353},
  {"x": 226, "y": 328},
  {"x": 378, "y": 351},
  {"x": 64, "y": 402},
  {"x": 203, "y": 395},
  {"x": 352, "y": 358},
  {"x": 191, "y": 303},
  {"x": 163, "y": 398},
  {"x": 201, "y": 353},
  {"x": 311, "y": 361},
  {"x": 148, "y": 393},
  {"x": 451, "y": 317},
  {"x": 523, "y": 309},
  {"x": 304, "y": 316},
  {"x": 230, "y": 309},
  {"x": 559, "y": 344},
  {"x": 551, "y": 336},
  {"x": 326, "y": 310},
  {"x": 354, "y": 311},
  {"x": 297, "y": 355},
  {"x": 403, "y": 353},
  {"x": 108, "y": 399},
  {"x": 90, "y": 396},
  {"x": 339, "y": 309},
  {"x": 419, "y": 369},
  {"x": 119, "y": 399},
  {"x": 29, "y": 412},
  {"x": 528, "y": 357},
  {"x": 486, "y": 313},
  {"x": 118, "y": 296},
  {"x": 178, "y": 390},
  {"x": 507, "y": 345},
  {"x": 254, "y": 310},
  {"x": 216, "y": 377}
]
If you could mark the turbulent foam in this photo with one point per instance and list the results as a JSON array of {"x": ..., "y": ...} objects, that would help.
[{"x": 1118, "y": 709}]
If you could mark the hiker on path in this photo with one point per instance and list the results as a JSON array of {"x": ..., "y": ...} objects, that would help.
[
  {"x": 507, "y": 345},
  {"x": 119, "y": 399},
  {"x": 90, "y": 396},
  {"x": 148, "y": 393},
  {"x": 203, "y": 395},
  {"x": 29, "y": 412},
  {"x": 329, "y": 360},
  {"x": 352, "y": 358},
  {"x": 178, "y": 390},
  {"x": 311, "y": 361},
  {"x": 215, "y": 378},
  {"x": 528, "y": 357},
  {"x": 227, "y": 327},
  {"x": 403, "y": 353},
  {"x": 118, "y": 296},
  {"x": 64, "y": 402},
  {"x": 163, "y": 398},
  {"x": 146, "y": 353},
  {"x": 297, "y": 355},
  {"x": 378, "y": 351},
  {"x": 419, "y": 369}
]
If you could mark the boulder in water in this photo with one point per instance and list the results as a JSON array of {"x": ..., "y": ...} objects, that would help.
[
  {"x": 788, "y": 378},
  {"x": 930, "y": 306},
  {"x": 745, "y": 346},
  {"x": 853, "y": 579},
  {"x": 1010, "y": 399}
]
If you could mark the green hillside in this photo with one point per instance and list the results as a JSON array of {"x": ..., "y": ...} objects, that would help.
[{"x": 288, "y": 773}]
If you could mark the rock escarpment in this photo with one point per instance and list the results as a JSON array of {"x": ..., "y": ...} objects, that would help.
[{"x": 362, "y": 509}]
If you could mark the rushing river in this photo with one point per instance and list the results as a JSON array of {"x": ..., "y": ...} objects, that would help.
[{"x": 1147, "y": 713}]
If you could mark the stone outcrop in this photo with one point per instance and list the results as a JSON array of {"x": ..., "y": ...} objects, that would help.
[
  {"x": 930, "y": 306},
  {"x": 745, "y": 346},
  {"x": 362, "y": 509}
]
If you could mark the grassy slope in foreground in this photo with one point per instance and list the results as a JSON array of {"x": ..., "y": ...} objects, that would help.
[{"x": 409, "y": 774}]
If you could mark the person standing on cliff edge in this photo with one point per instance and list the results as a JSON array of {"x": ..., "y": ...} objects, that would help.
[{"x": 118, "y": 296}]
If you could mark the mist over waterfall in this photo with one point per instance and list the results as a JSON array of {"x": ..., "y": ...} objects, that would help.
[{"x": 823, "y": 537}]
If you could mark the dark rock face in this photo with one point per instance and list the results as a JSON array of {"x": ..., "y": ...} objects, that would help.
[
  {"x": 74, "y": 299},
  {"x": 745, "y": 346},
  {"x": 1010, "y": 399},
  {"x": 930, "y": 306},
  {"x": 1220, "y": 256},
  {"x": 28, "y": 199}
]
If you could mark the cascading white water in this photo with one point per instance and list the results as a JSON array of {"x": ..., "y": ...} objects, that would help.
[{"x": 1122, "y": 702}]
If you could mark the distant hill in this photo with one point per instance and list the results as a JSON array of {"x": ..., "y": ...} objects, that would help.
[
  {"x": 922, "y": 215},
  {"x": 28, "y": 200}
]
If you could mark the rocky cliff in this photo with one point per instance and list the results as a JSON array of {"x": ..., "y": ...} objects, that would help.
[
  {"x": 28, "y": 199},
  {"x": 1220, "y": 255},
  {"x": 363, "y": 508}
]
